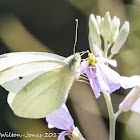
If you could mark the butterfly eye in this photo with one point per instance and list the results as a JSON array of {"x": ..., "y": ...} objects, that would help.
[{"x": 74, "y": 59}]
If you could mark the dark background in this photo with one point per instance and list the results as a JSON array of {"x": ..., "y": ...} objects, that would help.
[{"x": 49, "y": 25}]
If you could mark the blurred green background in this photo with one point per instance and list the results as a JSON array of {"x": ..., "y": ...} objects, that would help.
[{"x": 49, "y": 26}]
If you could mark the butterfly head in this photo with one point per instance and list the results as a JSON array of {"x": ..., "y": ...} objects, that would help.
[{"x": 73, "y": 61}]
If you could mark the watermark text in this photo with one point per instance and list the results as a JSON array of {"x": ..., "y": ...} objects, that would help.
[{"x": 13, "y": 135}]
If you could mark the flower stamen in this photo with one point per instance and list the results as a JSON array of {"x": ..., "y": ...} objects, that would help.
[{"x": 92, "y": 59}]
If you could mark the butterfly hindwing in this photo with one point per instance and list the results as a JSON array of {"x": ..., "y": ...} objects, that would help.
[{"x": 44, "y": 94}]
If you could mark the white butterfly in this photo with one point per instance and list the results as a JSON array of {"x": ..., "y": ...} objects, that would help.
[{"x": 38, "y": 82}]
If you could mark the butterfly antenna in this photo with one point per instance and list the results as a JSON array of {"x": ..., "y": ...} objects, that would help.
[{"x": 74, "y": 48}]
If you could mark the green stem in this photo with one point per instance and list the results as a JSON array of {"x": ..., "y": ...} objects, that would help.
[
  {"x": 112, "y": 126},
  {"x": 112, "y": 116},
  {"x": 118, "y": 113},
  {"x": 76, "y": 135},
  {"x": 111, "y": 55}
]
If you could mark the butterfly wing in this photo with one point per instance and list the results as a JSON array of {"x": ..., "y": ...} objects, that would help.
[
  {"x": 13, "y": 79},
  {"x": 42, "y": 95},
  {"x": 11, "y": 59},
  {"x": 38, "y": 82},
  {"x": 17, "y": 69}
]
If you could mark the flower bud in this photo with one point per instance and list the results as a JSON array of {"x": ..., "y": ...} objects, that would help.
[
  {"x": 106, "y": 25},
  {"x": 130, "y": 99},
  {"x": 115, "y": 29},
  {"x": 96, "y": 50},
  {"x": 121, "y": 38},
  {"x": 98, "y": 19},
  {"x": 94, "y": 30},
  {"x": 101, "y": 25}
]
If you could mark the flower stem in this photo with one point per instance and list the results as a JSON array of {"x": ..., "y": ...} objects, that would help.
[
  {"x": 76, "y": 135},
  {"x": 112, "y": 126},
  {"x": 111, "y": 55},
  {"x": 112, "y": 116},
  {"x": 118, "y": 113}
]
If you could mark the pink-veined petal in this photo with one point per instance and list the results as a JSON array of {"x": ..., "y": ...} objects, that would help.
[
  {"x": 62, "y": 135},
  {"x": 130, "y": 99},
  {"x": 129, "y": 82},
  {"x": 83, "y": 66},
  {"x": 93, "y": 82},
  {"x": 102, "y": 60},
  {"x": 136, "y": 106},
  {"x": 108, "y": 79},
  {"x": 95, "y": 87},
  {"x": 112, "y": 62},
  {"x": 61, "y": 119}
]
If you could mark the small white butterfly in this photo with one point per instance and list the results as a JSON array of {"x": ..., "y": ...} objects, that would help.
[{"x": 38, "y": 82}]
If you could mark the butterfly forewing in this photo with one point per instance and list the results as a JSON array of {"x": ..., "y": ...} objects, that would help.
[
  {"x": 15, "y": 78},
  {"x": 11, "y": 59}
]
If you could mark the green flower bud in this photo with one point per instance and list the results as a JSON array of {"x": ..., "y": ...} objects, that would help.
[
  {"x": 94, "y": 30},
  {"x": 106, "y": 25},
  {"x": 98, "y": 19},
  {"x": 130, "y": 99},
  {"x": 96, "y": 50},
  {"x": 121, "y": 38},
  {"x": 101, "y": 25},
  {"x": 115, "y": 29}
]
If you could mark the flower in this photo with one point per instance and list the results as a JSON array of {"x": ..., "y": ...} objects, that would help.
[
  {"x": 106, "y": 25},
  {"x": 131, "y": 101},
  {"x": 94, "y": 30},
  {"x": 136, "y": 106},
  {"x": 121, "y": 38},
  {"x": 62, "y": 119},
  {"x": 115, "y": 29},
  {"x": 104, "y": 30},
  {"x": 104, "y": 79}
]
